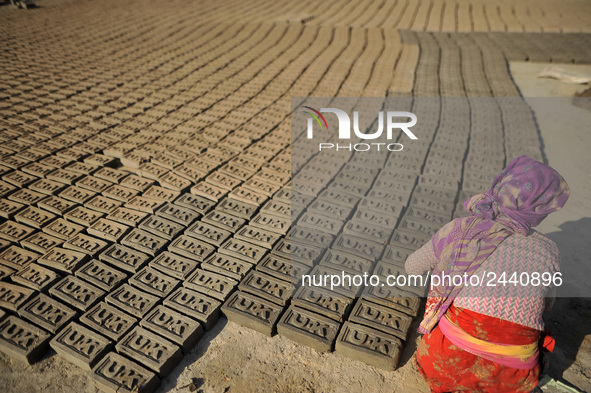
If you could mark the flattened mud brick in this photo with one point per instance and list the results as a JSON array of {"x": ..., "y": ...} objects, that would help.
[
  {"x": 435, "y": 218},
  {"x": 190, "y": 172},
  {"x": 208, "y": 233},
  {"x": 381, "y": 206},
  {"x": 203, "y": 308},
  {"x": 385, "y": 269},
  {"x": 277, "y": 208},
  {"x": 5, "y": 273},
  {"x": 144, "y": 204},
  {"x": 23, "y": 340},
  {"x": 24, "y": 195},
  {"x": 329, "y": 209},
  {"x": 191, "y": 248},
  {"x": 435, "y": 193},
  {"x": 302, "y": 253},
  {"x": 103, "y": 204},
  {"x": 86, "y": 244},
  {"x": 320, "y": 275},
  {"x": 417, "y": 225},
  {"x": 19, "y": 179},
  {"x": 409, "y": 239},
  {"x": 223, "y": 220},
  {"x": 120, "y": 193},
  {"x": 209, "y": 191},
  {"x": 64, "y": 176},
  {"x": 47, "y": 313},
  {"x": 93, "y": 184},
  {"x": 110, "y": 174},
  {"x": 237, "y": 208},
  {"x": 35, "y": 277},
  {"x": 267, "y": 287},
  {"x": 322, "y": 301},
  {"x": 41, "y": 242},
  {"x": 161, "y": 194},
  {"x": 199, "y": 204},
  {"x": 308, "y": 328},
  {"x": 393, "y": 298},
  {"x": 179, "y": 214},
  {"x": 56, "y": 205},
  {"x": 243, "y": 250},
  {"x": 257, "y": 236},
  {"x": 285, "y": 195},
  {"x": 144, "y": 241},
  {"x": 76, "y": 194},
  {"x": 47, "y": 187},
  {"x": 174, "y": 265},
  {"x": 438, "y": 182},
  {"x": 173, "y": 326},
  {"x": 99, "y": 159},
  {"x": 253, "y": 312},
  {"x": 360, "y": 247},
  {"x": 62, "y": 229},
  {"x": 101, "y": 275},
  {"x": 13, "y": 296},
  {"x": 14, "y": 232},
  {"x": 309, "y": 236},
  {"x": 16, "y": 257},
  {"x": 82, "y": 168},
  {"x": 83, "y": 216},
  {"x": 80, "y": 345},
  {"x": 420, "y": 201},
  {"x": 153, "y": 282},
  {"x": 161, "y": 227},
  {"x": 132, "y": 300},
  {"x": 282, "y": 268},
  {"x": 174, "y": 182},
  {"x": 382, "y": 318},
  {"x": 116, "y": 374},
  {"x": 108, "y": 230},
  {"x": 6, "y": 188},
  {"x": 366, "y": 230},
  {"x": 76, "y": 292},
  {"x": 124, "y": 258},
  {"x": 212, "y": 284},
  {"x": 126, "y": 216},
  {"x": 136, "y": 182},
  {"x": 369, "y": 346},
  {"x": 9, "y": 208},
  {"x": 108, "y": 321},
  {"x": 275, "y": 224},
  {"x": 346, "y": 262},
  {"x": 396, "y": 255}
]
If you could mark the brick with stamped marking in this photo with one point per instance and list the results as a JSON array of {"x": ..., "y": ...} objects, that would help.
[
  {"x": 13, "y": 296},
  {"x": 174, "y": 265},
  {"x": 107, "y": 230},
  {"x": 76, "y": 194},
  {"x": 41, "y": 242},
  {"x": 103, "y": 204},
  {"x": 223, "y": 220},
  {"x": 76, "y": 292},
  {"x": 161, "y": 194},
  {"x": 257, "y": 236},
  {"x": 196, "y": 305},
  {"x": 144, "y": 204},
  {"x": 360, "y": 247},
  {"x": 124, "y": 258},
  {"x": 152, "y": 281},
  {"x": 267, "y": 287},
  {"x": 199, "y": 204},
  {"x": 282, "y": 268},
  {"x": 381, "y": 318},
  {"x": 5, "y": 273},
  {"x": 209, "y": 191},
  {"x": 127, "y": 216},
  {"x": 365, "y": 230},
  {"x": 393, "y": 298},
  {"x": 226, "y": 265},
  {"x": 86, "y": 244},
  {"x": 211, "y": 284},
  {"x": 243, "y": 250},
  {"x": 161, "y": 227},
  {"x": 16, "y": 257},
  {"x": 145, "y": 242},
  {"x": 14, "y": 231},
  {"x": 326, "y": 224},
  {"x": 253, "y": 312},
  {"x": 116, "y": 374},
  {"x": 298, "y": 252},
  {"x": 23, "y": 340},
  {"x": 237, "y": 208},
  {"x": 56, "y": 205},
  {"x": 46, "y": 186},
  {"x": 308, "y": 328},
  {"x": 93, "y": 184},
  {"x": 83, "y": 216},
  {"x": 409, "y": 239},
  {"x": 137, "y": 183},
  {"x": 208, "y": 233},
  {"x": 132, "y": 300},
  {"x": 275, "y": 224},
  {"x": 344, "y": 261},
  {"x": 80, "y": 345},
  {"x": 330, "y": 304},
  {"x": 35, "y": 277},
  {"x": 179, "y": 214},
  {"x": 8, "y": 208},
  {"x": 108, "y": 321},
  {"x": 173, "y": 326},
  {"x": 46, "y": 312},
  {"x": 24, "y": 195},
  {"x": 110, "y": 174},
  {"x": 120, "y": 193},
  {"x": 381, "y": 206},
  {"x": 63, "y": 229},
  {"x": 192, "y": 248},
  {"x": 100, "y": 275}
]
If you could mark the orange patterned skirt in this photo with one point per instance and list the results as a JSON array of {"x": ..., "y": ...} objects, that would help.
[{"x": 447, "y": 368}]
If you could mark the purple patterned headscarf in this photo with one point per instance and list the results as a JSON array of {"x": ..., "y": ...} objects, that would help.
[{"x": 521, "y": 196}]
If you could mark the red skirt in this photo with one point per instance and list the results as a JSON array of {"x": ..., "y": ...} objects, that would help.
[{"x": 447, "y": 368}]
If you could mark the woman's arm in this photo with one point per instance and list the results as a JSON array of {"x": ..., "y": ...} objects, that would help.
[{"x": 421, "y": 261}]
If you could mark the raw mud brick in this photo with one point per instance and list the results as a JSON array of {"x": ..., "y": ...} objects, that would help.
[
  {"x": 223, "y": 220},
  {"x": 41, "y": 242},
  {"x": 191, "y": 248},
  {"x": 302, "y": 253},
  {"x": 47, "y": 313},
  {"x": 82, "y": 168},
  {"x": 86, "y": 244},
  {"x": 330, "y": 304},
  {"x": 346, "y": 262},
  {"x": 369, "y": 346},
  {"x": 19, "y": 179},
  {"x": 120, "y": 193},
  {"x": 237, "y": 208},
  {"x": 6, "y": 188},
  {"x": 253, "y": 312},
  {"x": 151, "y": 350},
  {"x": 199, "y": 204},
  {"x": 308, "y": 328},
  {"x": 161, "y": 227},
  {"x": 396, "y": 255},
  {"x": 417, "y": 225},
  {"x": 282, "y": 268},
  {"x": 47, "y": 187},
  {"x": 35, "y": 277},
  {"x": 153, "y": 282},
  {"x": 83, "y": 216},
  {"x": 297, "y": 198},
  {"x": 309, "y": 236},
  {"x": 354, "y": 189},
  {"x": 388, "y": 184},
  {"x": 208, "y": 233},
  {"x": 144, "y": 204},
  {"x": 435, "y": 193},
  {"x": 179, "y": 214},
  {"x": 101, "y": 275},
  {"x": 275, "y": 224},
  {"x": 267, "y": 287},
  {"x": 145, "y": 242},
  {"x": 107, "y": 230},
  {"x": 391, "y": 197},
  {"x": 173, "y": 326},
  {"x": 116, "y": 374},
  {"x": 127, "y": 216},
  {"x": 76, "y": 293},
  {"x": 137, "y": 183},
  {"x": 132, "y": 300},
  {"x": 9, "y": 208},
  {"x": 435, "y": 171},
  {"x": 381, "y": 206},
  {"x": 320, "y": 276},
  {"x": 368, "y": 231},
  {"x": 76, "y": 194},
  {"x": 382, "y": 318},
  {"x": 420, "y": 201},
  {"x": 124, "y": 258},
  {"x": 108, "y": 321},
  {"x": 152, "y": 171},
  {"x": 80, "y": 345},
  {"x": 24, "y": 196},
  {"x": 93, "y": 184},
  {"x": 228, "y": 266},
  {"x": 100, "y": 160},
  {"x": 243, "y": 250},
  {"x": 35, "y": 169},
  {"x": 5, "y": 273},
  {"x": 436, "y": 218},
  {"x": 329, "y": 209},
  {"x": 195, "y": 305},
  {"x": 103, "y": 204},
  {"x": 56, "y": 205},
  {"x": 110, "y": 174},
  {"x": 161, "y": 194},
  {"x": 14, "y": 232},
  {"x": 257, "y": 236},
  {"x": 409, "y": 239},
  {"x": 62, "y": 229},
  {"x": 174, "y": 182},
  {"x": 209, "y": 191},
  {"x": 64, "y": 176},
  {"x": 277, "y": 208},
  {"x": 438, "y": 182},
  {"x": 393, "y": 298},
  {"x": 22, "y": 340},
  {"x": 13, "y": 296},
  {"x": 321, "y": 223},
  {"x": 386, "y": 268},
  {"x": 212, "y": 284},
  {"x": 283, "y": 195},
  {"x": 17, "y": 257},
  {"x": 190, "y": 172},
  {"x": 360, "y": 247},
  {"x": 174, "y": 265}
]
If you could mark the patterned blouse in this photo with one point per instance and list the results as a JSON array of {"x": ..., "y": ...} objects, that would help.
[{"x": 508, "y": 289}]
